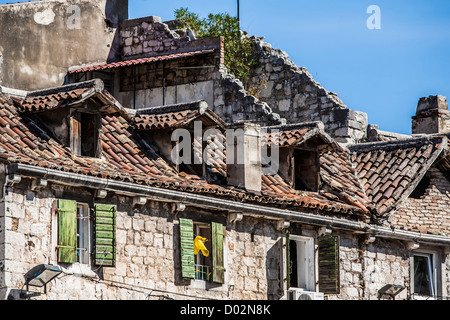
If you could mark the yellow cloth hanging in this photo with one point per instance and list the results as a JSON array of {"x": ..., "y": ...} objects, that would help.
[{"x": 199, "y": 245}]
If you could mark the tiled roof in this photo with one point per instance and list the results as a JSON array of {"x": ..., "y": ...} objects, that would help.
[
  {"x": 128, "y": 157},
  {"x": 339, "y": 175},
  {"x": 69, "y": 95},
  {"x": 389, "y": 171},
  {"x": 336, "y": 170},
  {"x": 294, "y": 135},
  {"x": 127, "y": 63},
  {"x": 52, "y": 101}
]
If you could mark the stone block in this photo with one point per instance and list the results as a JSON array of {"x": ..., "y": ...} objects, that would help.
[{"x": 129, "y": 41}]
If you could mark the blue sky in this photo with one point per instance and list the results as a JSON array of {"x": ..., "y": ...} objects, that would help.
[{"x": 381, "y": 72}]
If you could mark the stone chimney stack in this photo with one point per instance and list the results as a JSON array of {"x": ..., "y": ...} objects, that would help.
[
  {"x": 244, "y": 156},
  {"x": 432, "y": 116}
]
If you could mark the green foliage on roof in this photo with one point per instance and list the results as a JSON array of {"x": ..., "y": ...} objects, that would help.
[{"x": 237, "y": 46}]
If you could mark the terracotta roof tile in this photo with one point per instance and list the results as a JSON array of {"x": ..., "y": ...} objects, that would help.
[
  {"x": 398, "y": 167},
  {"x": 127, "y": 63},
  {"x": 128, "y": 158}
]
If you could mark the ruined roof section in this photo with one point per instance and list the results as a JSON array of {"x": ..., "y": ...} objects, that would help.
[
  {"x": 390, "y": 171},
  {"x": 128, "y": 157}
]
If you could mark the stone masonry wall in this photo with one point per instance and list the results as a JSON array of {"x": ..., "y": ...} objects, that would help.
[
  {"x": 430, "y": 213},
  {"x": 366, "y": 268},
  {"x": 148, "y": 35},
  {"x": 148, "y": 254}
]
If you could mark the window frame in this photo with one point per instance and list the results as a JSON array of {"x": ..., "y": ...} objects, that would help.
[
  {"x": 76, "y": 132},
  {"x": 310, "y": 272},
  {"x": 200, "y": 259},
  {"x": 433, "y": 273},
  {"x": 216, "y": 253},
  {"x": 84, "y": 234},
  {"x": 86, "y": 265}
]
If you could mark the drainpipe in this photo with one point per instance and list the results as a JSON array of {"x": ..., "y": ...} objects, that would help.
[
  {"x": 134, "y": 87},
  {"x": 164, "y": 83}
]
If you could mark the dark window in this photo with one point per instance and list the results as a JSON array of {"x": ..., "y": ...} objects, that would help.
[
  {"x": 84, "y": 134},
  {"x": 424, "y": 274},
  {"x": 306, "y": 170},
  {"x": 421, "y": 188}
]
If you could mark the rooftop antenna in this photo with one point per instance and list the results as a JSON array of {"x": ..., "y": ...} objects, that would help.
[{"x": 238, "y": 13}]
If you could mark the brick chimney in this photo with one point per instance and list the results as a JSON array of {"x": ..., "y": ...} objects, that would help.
[
  {"x": 244, "y": 156},
  {"x": 432, "y": 116}
]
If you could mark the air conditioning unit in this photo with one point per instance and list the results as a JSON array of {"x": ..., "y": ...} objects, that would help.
[{"x": 301, "y": 294}]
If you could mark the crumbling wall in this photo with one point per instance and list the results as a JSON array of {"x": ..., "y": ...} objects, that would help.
[
  {"x": 233, "y": 103},
  {"x": 148, "y": 35},
  {"x": 432, "y": 116},
  {"x": 226, "y": 95},
  {"x": 292, "y": 93},
  {"x": 277, "y": 90},
  {"x": 42, "y": 39}
]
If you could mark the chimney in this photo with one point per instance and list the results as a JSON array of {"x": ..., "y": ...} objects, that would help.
[
  {"x": 432, "y": 116},
  {"x": 244, "y": 156}
]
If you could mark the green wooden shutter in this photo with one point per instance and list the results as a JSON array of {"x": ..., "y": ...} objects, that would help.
[
  {"x": 105, "y": 235},
  {"x": 218, "y": 272},
  {"x": 67, "y": 231},
  {"x": 187, "y": 248},
  {"x": 329, "y": 264}
]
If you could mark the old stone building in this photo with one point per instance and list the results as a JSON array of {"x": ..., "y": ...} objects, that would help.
[{"x": 98, "y": 185}]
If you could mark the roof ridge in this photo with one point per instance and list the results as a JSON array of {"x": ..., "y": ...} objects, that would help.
[
  {"x": 298, "y": 125},
  {"x": 200, "y": 105},
  {"x": 394, "y": 144},
  {"x": 96, "y": 84}
]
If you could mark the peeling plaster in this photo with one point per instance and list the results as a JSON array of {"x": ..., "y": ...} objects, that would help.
[{"x": 45, "y": 17}]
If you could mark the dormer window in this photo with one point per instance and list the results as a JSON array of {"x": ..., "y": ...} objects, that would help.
[
  {"x": 84, "y": 134},
  {"x": 306, "y": 170}
]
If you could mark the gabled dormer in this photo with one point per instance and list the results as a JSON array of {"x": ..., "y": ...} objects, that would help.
[
  {"x": 299, "y": 147},
  {"x": 194, "y": 121},
  {"x": 72, "y": 114}
]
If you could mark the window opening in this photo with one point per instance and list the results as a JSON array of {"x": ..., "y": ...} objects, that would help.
[
  {"x": 301, "y": 264},
  {"x": 203, "y": 259},
  {"x": 306, "y": 170},
  {"x": 419, "y": 191},
  {"x": 85, "y": 134},
  {"x": 83, "y": 234},
  {"x": 424, "y": 274}
]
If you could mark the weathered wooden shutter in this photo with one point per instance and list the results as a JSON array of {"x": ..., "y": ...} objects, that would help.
[
  {"x": 67, "y": 231},
  {"x": 187, "y": 248},
  {"x": 75, "y": 133},
  {"x": 105, "y": 235},
  {"x": 218, "y": 272},
  {"x": 288, "y": 260},
  {"x": 329, "y": 264}
]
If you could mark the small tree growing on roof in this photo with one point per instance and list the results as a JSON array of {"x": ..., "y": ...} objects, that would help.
[{"x": 237, "y": 46}]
